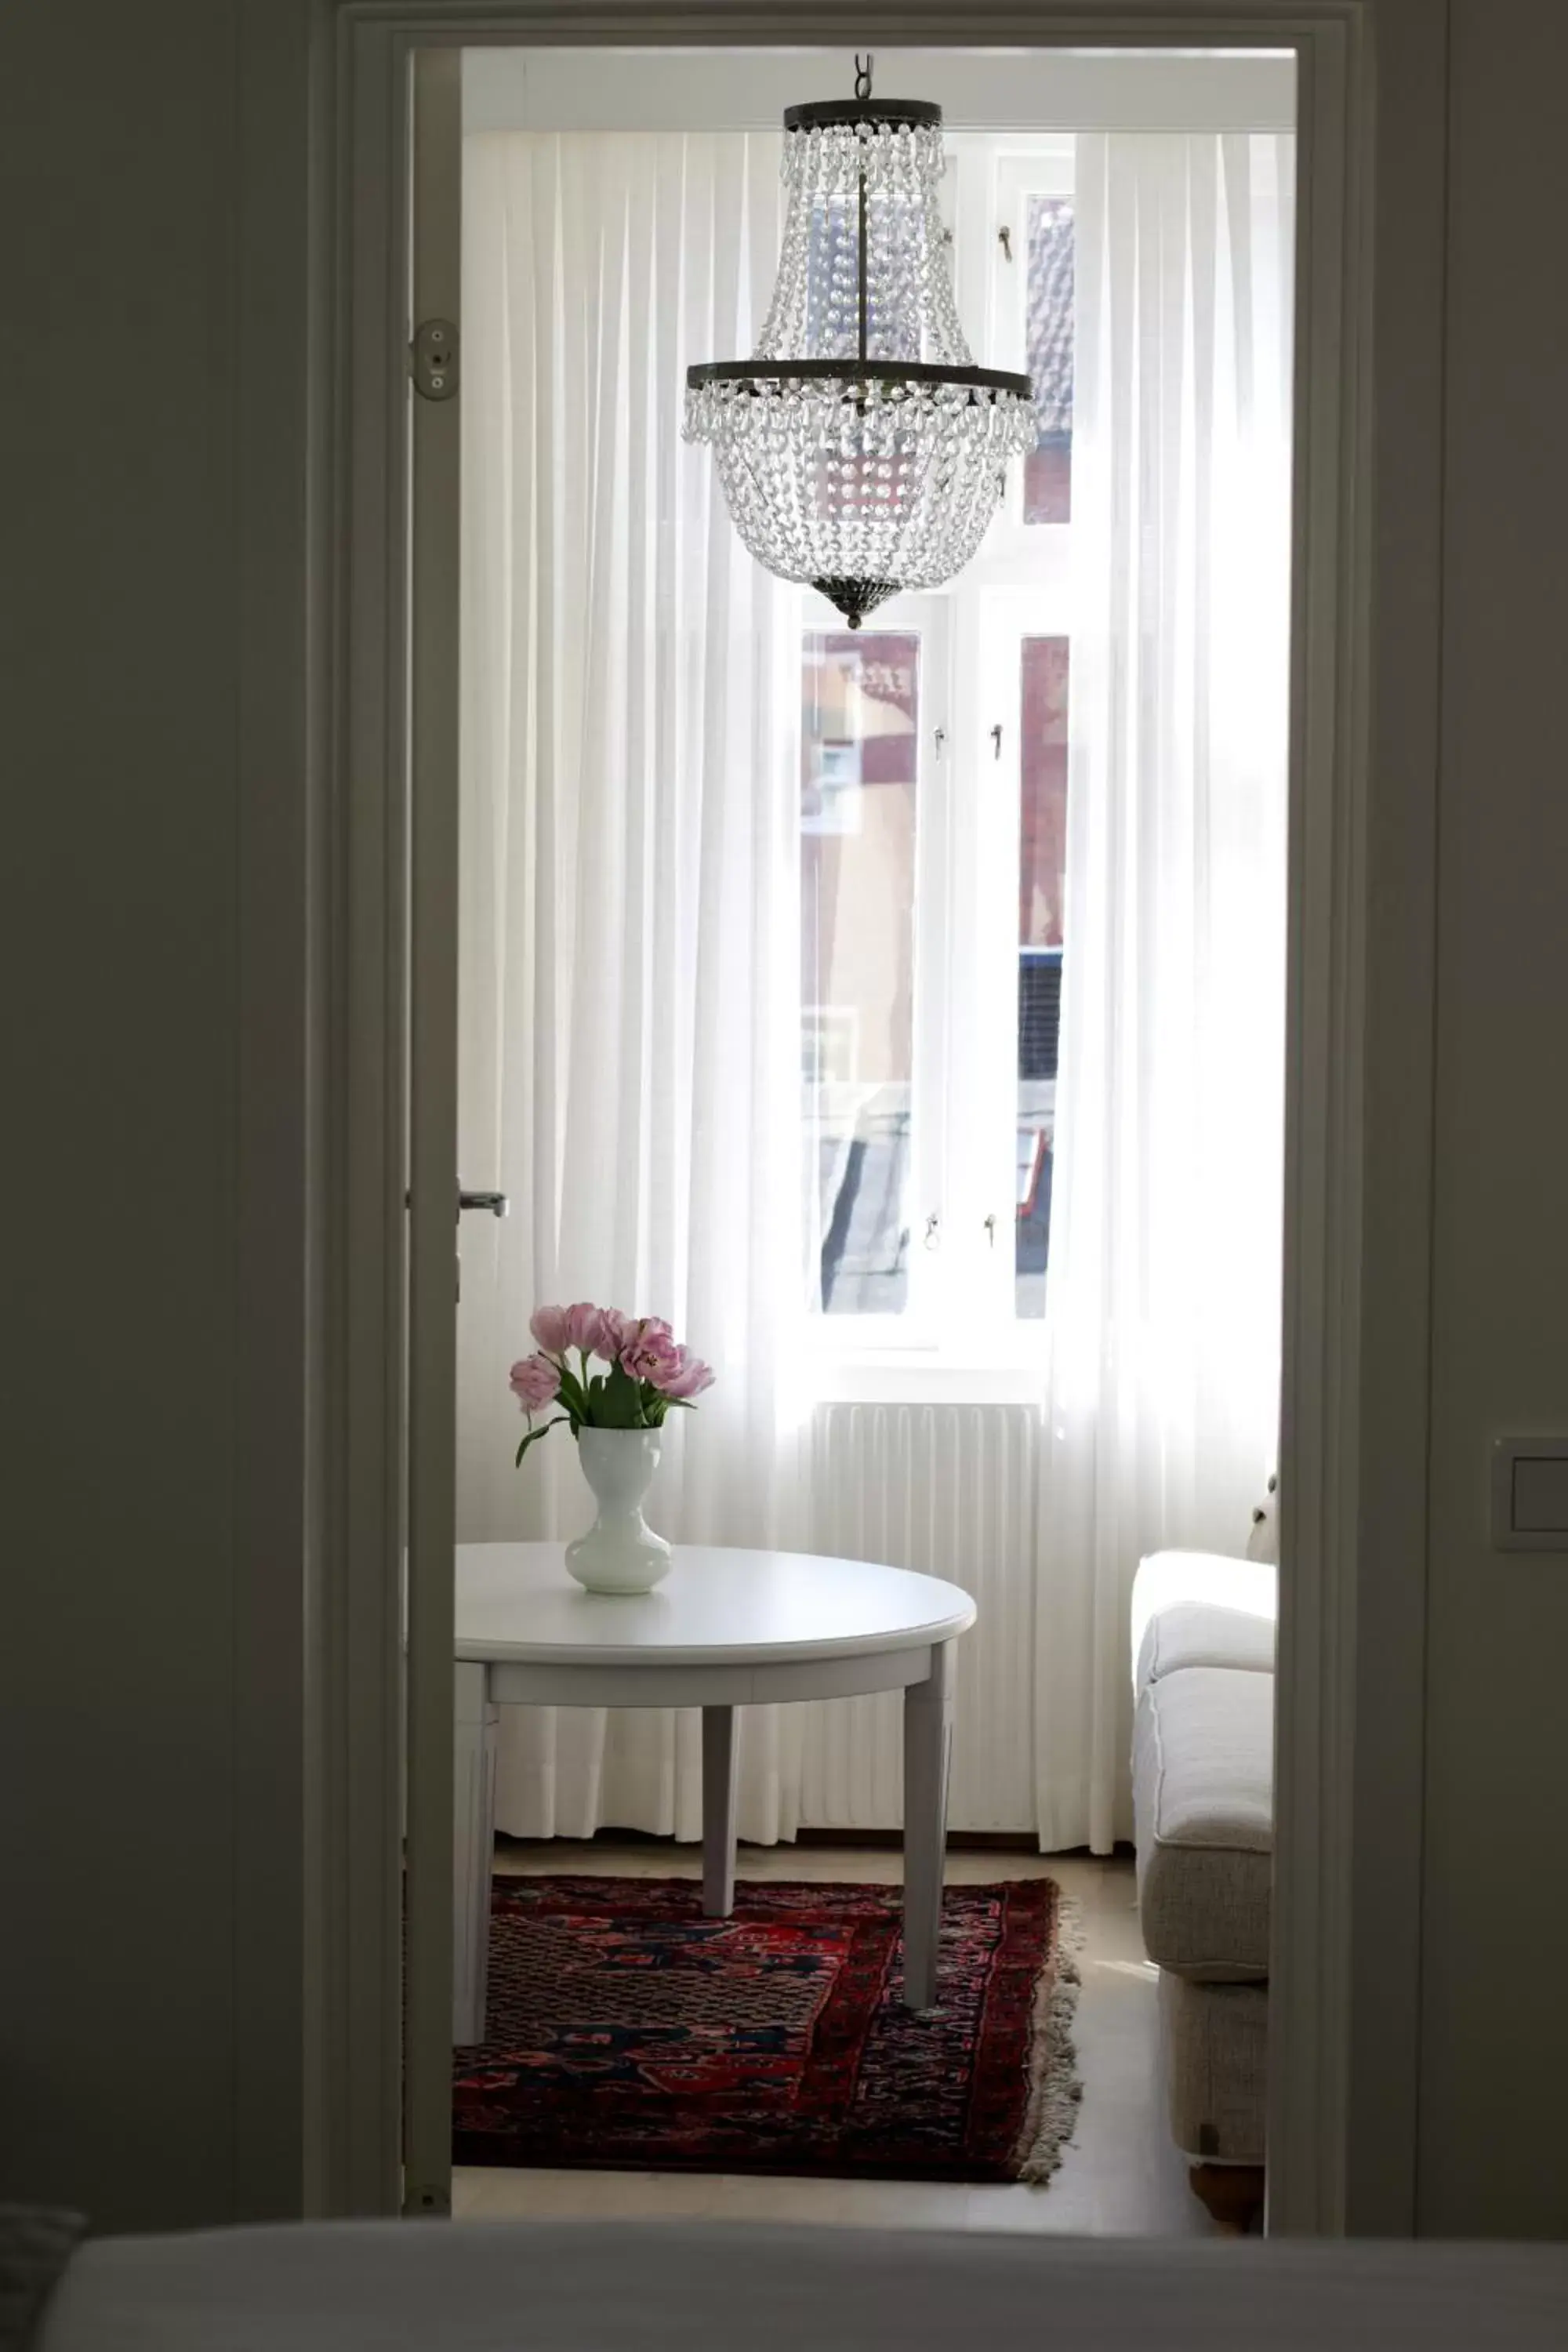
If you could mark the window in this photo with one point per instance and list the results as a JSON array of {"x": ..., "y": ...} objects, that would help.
[
  {"x": 860, "y": 722},
  {"x": 933, "y": 860},
  {"x": 1049, "y": 293},
  {"x": 1042, "y": 872}
]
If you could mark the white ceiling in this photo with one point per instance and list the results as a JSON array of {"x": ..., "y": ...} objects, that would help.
[{"x": 994, "y": 89}]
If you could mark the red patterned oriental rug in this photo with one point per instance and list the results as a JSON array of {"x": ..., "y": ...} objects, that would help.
[{"x": 626, "y": 2028}]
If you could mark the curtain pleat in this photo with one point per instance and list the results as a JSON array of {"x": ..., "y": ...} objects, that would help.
[
  {"x": 628, "y": 1031},
  {"x": 1162, "y": 1308}
]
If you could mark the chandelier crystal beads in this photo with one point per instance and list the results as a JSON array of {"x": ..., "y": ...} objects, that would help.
[{"x": 860, "y": 450}]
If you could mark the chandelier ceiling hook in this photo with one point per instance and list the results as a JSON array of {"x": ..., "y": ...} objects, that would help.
[{"x": 863, "y": 74}]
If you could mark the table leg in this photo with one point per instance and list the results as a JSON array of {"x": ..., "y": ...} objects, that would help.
[
  {"x": 928, "y": 1747},
  {"x": 720, "y": 1763},
  {"x": 473, "y": 1849}
]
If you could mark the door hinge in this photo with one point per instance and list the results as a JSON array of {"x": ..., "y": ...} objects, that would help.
[{"x": 433, "y": 359}]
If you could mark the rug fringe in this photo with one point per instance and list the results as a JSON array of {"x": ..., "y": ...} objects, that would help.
[{"x": 1055, "y": 2089}]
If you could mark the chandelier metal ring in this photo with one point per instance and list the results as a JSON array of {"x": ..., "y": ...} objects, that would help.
[
  {"x": 888, "y": 372},
  {"x": 828, "y": 113}
]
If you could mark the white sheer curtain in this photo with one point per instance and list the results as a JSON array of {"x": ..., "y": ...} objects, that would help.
[
  {"x": 629, "y": 974},
  {"x": 630, "y": 984},
  {"x": 1163, "y": 1312}
]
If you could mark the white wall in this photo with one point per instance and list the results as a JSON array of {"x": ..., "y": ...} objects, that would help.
[
  {"x": 1495, "y": 2024},
  {"x": 151, "y": 635}
]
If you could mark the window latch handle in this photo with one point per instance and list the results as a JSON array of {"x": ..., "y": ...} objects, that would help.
[
  {"x": 991, "y": 1229},
  {"x": 996, "y": 741},
  {"x": 1004, "y": 239},
  {"x": 933, "y": 1232}
]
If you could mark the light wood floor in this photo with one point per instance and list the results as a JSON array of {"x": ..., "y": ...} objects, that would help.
[{"x": 1121, "y": 2176}]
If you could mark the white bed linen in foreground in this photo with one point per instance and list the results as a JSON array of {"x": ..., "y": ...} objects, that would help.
[{"x": 429, "y": 2286}]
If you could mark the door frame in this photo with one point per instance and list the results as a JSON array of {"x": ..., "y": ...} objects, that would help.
[{"x": 1345, "y": 1978}]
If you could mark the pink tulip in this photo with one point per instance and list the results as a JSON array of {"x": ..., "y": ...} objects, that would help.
[
  {"x": 585, "y": 1326},
  {"x": 650, "y": 1352},
  {"x": 614, "y": 1331},
  {"x": 535, "y": 1381},
  {"x": 548, "y": 1325},
  {"x": 651, "y": 1326},
  {"x": 689, "y": 1378}
]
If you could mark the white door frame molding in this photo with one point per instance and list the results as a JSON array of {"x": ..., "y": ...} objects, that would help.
[{"x": 1373, "y": 91}]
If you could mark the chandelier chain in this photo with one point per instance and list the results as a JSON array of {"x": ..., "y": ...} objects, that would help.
[{"x": 863, "y": 74}]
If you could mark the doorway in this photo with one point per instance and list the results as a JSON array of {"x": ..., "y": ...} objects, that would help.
[{"x": 430, "y": 1726}]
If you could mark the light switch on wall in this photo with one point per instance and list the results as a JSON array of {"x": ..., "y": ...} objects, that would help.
[{"x": 1530, "y": 1494}]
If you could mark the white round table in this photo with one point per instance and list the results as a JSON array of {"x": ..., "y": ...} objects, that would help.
[{"x": 725, "y": 1629}]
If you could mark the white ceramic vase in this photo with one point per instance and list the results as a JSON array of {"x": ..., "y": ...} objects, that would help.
[{"x": 620, "y": 1552}]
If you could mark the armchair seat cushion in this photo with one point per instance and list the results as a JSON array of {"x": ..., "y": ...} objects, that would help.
[{"x": 1203, "y": 1796}]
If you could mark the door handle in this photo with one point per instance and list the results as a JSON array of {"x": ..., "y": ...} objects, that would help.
[{"x": 496, "y": 1203}]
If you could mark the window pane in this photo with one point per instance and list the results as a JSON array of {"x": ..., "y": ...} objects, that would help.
[
  {"x": 1047, "y": 469},
  {"x": 860, "y": 737},
  {"x": 1042, "y": 866}
]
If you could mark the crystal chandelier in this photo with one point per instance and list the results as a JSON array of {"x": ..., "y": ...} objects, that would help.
[{"x": 860, "y": 448}]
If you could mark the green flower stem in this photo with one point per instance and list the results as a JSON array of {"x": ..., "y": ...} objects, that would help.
[
  {"x": 533, "y": 1437},
  {"x": 572, "y": 1393}
]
